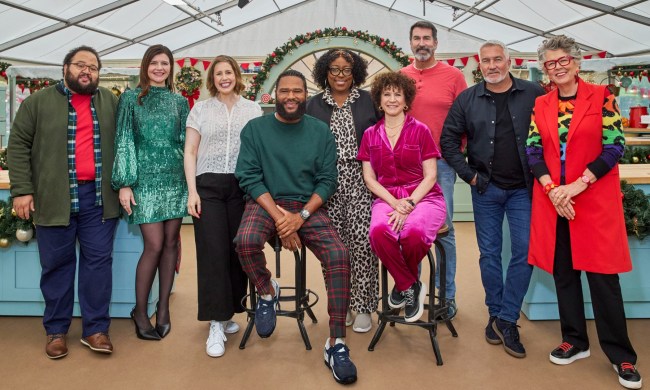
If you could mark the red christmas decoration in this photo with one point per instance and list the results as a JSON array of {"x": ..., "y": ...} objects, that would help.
[
  {"x": 273, "y": 54},
  {"x": 382, "y": 44}
]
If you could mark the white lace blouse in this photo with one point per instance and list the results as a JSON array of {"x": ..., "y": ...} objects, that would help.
[{"x": 219, "y": 129}]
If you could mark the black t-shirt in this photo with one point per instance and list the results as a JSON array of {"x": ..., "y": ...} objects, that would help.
[{"x": 507, "y": 172}]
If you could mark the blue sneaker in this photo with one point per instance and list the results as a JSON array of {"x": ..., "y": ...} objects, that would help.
[
  {"x": 337, "y": 358},
  {"x": 265, "y": 317}
]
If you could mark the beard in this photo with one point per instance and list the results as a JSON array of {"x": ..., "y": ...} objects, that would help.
[
  {"x": 422, "y": 56},
  {"x": 291, "y": 116},
  {"x": 495, "y": 78},
  {"x": 74, "y": 85}
]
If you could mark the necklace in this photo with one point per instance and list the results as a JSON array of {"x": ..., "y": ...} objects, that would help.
[{"x": 394, "y": 126}]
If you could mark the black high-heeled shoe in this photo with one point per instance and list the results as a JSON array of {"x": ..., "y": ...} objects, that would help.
[
  {"x": 144, "y": 334},
  {"x": 162, "y": 329}
]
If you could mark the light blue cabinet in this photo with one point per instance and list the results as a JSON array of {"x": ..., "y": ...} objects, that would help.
[{"x": 20, "y": 272}]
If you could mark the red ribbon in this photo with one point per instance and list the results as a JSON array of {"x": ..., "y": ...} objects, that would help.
[{"x": 191, "y": 97}]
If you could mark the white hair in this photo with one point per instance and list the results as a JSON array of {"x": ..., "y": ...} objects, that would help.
[{"x": 494, "y": 42}]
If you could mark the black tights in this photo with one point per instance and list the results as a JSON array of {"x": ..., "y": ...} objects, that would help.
[{"x": 160, "y": 254}]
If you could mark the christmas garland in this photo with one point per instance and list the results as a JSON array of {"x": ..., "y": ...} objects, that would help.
[
  {"x": 12, "y": 227},
  {"x": 278, "y": 54},
  {"x": 636, "y": 155},
  {"x": 3, "y": 69},
  {"x": 636, "y": 207}
]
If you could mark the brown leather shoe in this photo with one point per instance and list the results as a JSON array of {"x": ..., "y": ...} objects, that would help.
[
  {"x": 56, "y": 347},
  {"x": 98, "y": 342}
]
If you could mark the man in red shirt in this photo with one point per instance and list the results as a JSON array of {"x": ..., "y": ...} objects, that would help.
[
  {"x": 437, "y": 85},
  {"x": 60, "y": 158}
]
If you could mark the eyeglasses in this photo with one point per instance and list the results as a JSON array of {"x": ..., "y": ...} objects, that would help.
[
  {"x": 563, "y": 61},
  {"x": 81, "y": 66},
  {"x": 338, "y": 71}
]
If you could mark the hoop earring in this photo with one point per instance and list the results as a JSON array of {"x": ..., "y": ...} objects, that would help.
[
  {"x": 381, "y": 108},
  {"x": 406, "y": 108}
]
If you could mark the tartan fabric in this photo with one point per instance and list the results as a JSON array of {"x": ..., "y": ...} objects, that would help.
[
  {"x": 318, "y": 235},
  {"x": 72, "y": 161}
]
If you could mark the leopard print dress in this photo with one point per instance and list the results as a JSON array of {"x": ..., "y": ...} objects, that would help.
[{"x": 349, "y": 207}]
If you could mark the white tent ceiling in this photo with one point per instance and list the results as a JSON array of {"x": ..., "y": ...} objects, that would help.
[{"x": 44, "y": 30}]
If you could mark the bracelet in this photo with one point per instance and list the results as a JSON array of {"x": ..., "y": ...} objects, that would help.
[
  {"x": 549, "y": 187},
  {"x": 411, "y": 202}
]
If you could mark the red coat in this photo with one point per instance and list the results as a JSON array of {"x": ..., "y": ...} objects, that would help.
[{"x": 598, "y": 237}]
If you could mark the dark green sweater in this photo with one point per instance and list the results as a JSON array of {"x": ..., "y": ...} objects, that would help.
[{"x": 289, "y": 161}]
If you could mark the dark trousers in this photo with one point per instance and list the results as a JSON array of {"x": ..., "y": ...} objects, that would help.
[
  {"x": 318, "y": 235},
  {"x": 606, "y": 300},
  {"x": 57, "y": 249},
  {"x": 221, "y": 281}
]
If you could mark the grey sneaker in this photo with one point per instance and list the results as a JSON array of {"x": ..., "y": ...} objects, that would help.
[
  {"x": 414, "y": 297},
  {"x": 396, "y": 299},
  {"x": 362, "y": 323}
]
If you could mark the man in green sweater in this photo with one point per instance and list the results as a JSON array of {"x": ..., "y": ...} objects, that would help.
[{"x": 287, "y": 168}]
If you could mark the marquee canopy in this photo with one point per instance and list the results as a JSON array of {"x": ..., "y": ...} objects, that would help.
[{"x": 42, "y": 31}]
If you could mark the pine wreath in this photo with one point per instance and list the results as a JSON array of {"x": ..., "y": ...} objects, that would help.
[
  {"x": 188, "y": 80},
  {"x": 636, "y": 207}
]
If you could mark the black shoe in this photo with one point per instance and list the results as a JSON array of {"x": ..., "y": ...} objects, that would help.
[
  {"x": 396, "y": 299},
  {"x": 628, "y": 376},
  {"x": 414, "y": 305},
  {"x": 452, "y": 309},
  {"x": 567, "y": 353},
  {"x": 144, "y": 334},
  {"x": 162, "y": 329},
  {"x": 509, "y": 335},
  {"x": 490, "y": 335}
]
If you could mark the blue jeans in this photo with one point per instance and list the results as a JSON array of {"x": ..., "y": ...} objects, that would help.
[
  {"x": 57, "y": 249},
  {"x": 503, "y": 299},
  {"x": 446, "y": 180}
]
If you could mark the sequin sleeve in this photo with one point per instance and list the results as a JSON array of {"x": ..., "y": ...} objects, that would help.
[
  {"x": 184, "y": 112},
  {"x": 125, "y": 167}
]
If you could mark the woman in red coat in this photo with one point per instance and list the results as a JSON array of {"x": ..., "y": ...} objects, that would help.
[{"x": 577, "y": 224}]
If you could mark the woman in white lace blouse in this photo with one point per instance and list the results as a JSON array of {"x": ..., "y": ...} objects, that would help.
[{"x": 215, "y": 200}]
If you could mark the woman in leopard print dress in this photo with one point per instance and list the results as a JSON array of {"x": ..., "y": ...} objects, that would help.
[{"x": 349, "y": 111}]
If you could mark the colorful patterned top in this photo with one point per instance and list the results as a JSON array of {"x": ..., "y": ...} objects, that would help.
[
  {"x": 613, "y": 138},
  {"x": 149, "y": 154}
]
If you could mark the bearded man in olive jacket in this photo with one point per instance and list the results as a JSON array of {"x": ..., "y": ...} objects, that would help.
[{"x": 60, "y": 157}]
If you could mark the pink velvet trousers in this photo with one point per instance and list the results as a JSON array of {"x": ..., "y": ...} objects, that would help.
[{"x": 402, "y": 252}]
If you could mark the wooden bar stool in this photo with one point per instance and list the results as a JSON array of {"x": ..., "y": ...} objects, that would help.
[
  {"x": 302, "y": 297},
  {"x": 436, "y": 306}
]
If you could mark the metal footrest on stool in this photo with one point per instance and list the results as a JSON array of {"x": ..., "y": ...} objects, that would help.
[
  {"x": 303, "y": 298},
  {"x": 436, "y": 306}
]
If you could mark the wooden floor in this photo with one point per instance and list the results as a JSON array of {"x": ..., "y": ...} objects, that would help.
[{"x": 403, "y": 359}]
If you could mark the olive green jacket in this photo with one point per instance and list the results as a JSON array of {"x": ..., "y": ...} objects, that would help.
[{"x": 38, "y": 159}]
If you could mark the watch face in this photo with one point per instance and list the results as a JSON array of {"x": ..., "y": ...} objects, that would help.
[
  {"x": 304, "y": 214},
  {"x": 585, "y": 179}
]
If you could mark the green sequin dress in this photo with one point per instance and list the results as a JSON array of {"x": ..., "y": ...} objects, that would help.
[{"x": 149, "y": 154}]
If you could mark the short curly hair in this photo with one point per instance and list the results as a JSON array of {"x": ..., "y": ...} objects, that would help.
[
  {"x": 393, "y": 80},
  {"x": 558, "y": 42},
  {"x": 359, "y": 67}
]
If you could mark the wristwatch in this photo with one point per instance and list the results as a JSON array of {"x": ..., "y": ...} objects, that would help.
[
  {"x": 304, "y": 214},
  {"x": 585, "y": 179}
]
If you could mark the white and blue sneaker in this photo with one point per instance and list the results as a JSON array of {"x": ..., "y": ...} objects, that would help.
[
  {"x": 265, "y": 316},
  {"x": 337, "y": 358}
]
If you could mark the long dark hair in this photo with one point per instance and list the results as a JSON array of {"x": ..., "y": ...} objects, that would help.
[{"x": 145, "y": 83}]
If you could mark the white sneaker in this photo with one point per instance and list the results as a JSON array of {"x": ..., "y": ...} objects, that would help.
[
  {"x": 362, "y": 323},
  {"x": 215, "y": 346},
  {"x": 349, "y": 319},
  {"x": 230, "y": 326}
]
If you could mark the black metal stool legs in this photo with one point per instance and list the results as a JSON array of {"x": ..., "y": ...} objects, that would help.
[
  {"x": 436, "y": 305},
  {"x": 300, "y": 298}
]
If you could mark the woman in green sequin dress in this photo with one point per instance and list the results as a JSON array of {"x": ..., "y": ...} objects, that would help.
[{"x": 148, "y": 172}]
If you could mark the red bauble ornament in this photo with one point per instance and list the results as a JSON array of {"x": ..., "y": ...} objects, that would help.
[
  {"x": 3, "y": 74},
  {"x": 273, "y": 54},
  {"x": 382, "y": 44},
  {"x": 301, "y": 41},
  {"x": 631, "y": 74},
  {"x": 344, "y": 28},
  {"x": 46, "y": 82}
]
